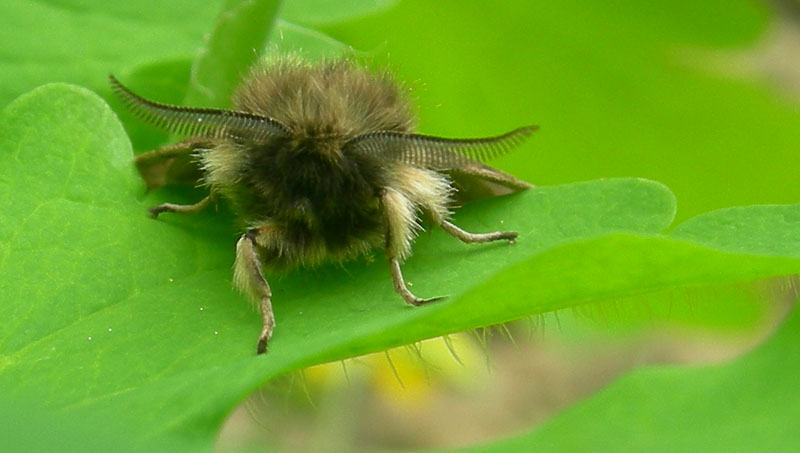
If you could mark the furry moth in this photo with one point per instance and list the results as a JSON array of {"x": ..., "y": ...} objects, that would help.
[{"x": 320, "y": 162}]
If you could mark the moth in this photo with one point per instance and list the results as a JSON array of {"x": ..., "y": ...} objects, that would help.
[{"x": 320, "y": 162}]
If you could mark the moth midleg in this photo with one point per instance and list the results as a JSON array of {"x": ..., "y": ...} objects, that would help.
[
  {"x": 467, "y": 237},
  {"x": 435, "y": 199},
  {"x": 248, "y": 278},
  {"x": 181, "y": 208},
  {"x": 401, "y": 220}
]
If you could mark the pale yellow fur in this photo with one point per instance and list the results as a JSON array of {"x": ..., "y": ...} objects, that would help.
[
  {"x": 244, "y": 268},
  {"x": 221, "y": 165},
  {"x": 412, "y": 191}
]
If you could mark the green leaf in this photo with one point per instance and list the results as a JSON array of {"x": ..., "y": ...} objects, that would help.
[
  {"x": 24, "y": 426},
  {"x": 763, "y": 230}
]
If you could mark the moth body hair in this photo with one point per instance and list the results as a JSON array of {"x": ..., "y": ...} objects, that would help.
[{"x": 320, "y": 162}]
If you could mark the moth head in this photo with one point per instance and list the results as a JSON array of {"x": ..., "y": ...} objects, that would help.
[{"x": 328, "y": 147}]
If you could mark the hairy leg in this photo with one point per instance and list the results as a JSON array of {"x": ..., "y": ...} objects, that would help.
[
  {"x": 401, "y": 288},
  {"x": 181, "y": 208},
  {"x": 469, "y": 238},
  {"x": 181, "y": 148},
  {"x": 435, "y": 199},
  {"x": 401, "y": 225},
  {"x": 248, "y": 278},
  {"x": 146, "y": 162}
]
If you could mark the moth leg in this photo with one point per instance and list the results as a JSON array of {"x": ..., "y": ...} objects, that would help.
[
  {"x": 183, "y": 147},
  {"x": 467, "y": 237},
  {"x": 181, "y": 208},
  {"x": 401, "y": 225},
  {"x": 401, "y": 288},
  {"x": 435, "y": 199},
  {"x": 247, "y": 277}
]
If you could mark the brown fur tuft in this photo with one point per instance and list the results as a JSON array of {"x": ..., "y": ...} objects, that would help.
[{"x": 329, "y": 98}]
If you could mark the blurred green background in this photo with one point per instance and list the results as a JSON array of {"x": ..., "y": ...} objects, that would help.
[{"x": 619, "y": 88}]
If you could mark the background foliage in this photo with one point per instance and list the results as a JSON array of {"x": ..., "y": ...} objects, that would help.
[{"x": 122, "y": 324}]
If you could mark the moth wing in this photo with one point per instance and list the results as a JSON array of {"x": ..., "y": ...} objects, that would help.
[
  {"x": 482, "y": 181},
  {"x": 461, "y": 159},
  {"x": 177, "y": 166}
]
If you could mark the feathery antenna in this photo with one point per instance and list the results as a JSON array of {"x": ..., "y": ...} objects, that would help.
[
  {"x": 214, "y": 123},
  {"x": 437, "y": 153}
]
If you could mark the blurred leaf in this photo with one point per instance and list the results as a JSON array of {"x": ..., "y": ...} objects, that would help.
[
  {"x": 766, "y": 230},
  {"x": 240, "y": 32},
  {"x": 749, "y": 404},
  {"x": 311, "y": 44},
  {"x": 322, "y": 12}
]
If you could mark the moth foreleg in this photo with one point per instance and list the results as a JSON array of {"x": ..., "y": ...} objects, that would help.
[
  {"x": 247, "y": 277},
  {"x": 401, "y": 219},
  {"x": 181, "y": 208},
  {"x": 467, "y": 237},
  {"x": 183, "y": 147},
  {"x": 401, "y": 288}
]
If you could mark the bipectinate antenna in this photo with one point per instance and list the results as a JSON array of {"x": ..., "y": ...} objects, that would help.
[
  {"x": 436, "y": 153},
  {"x": 213, "y": 123}
]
